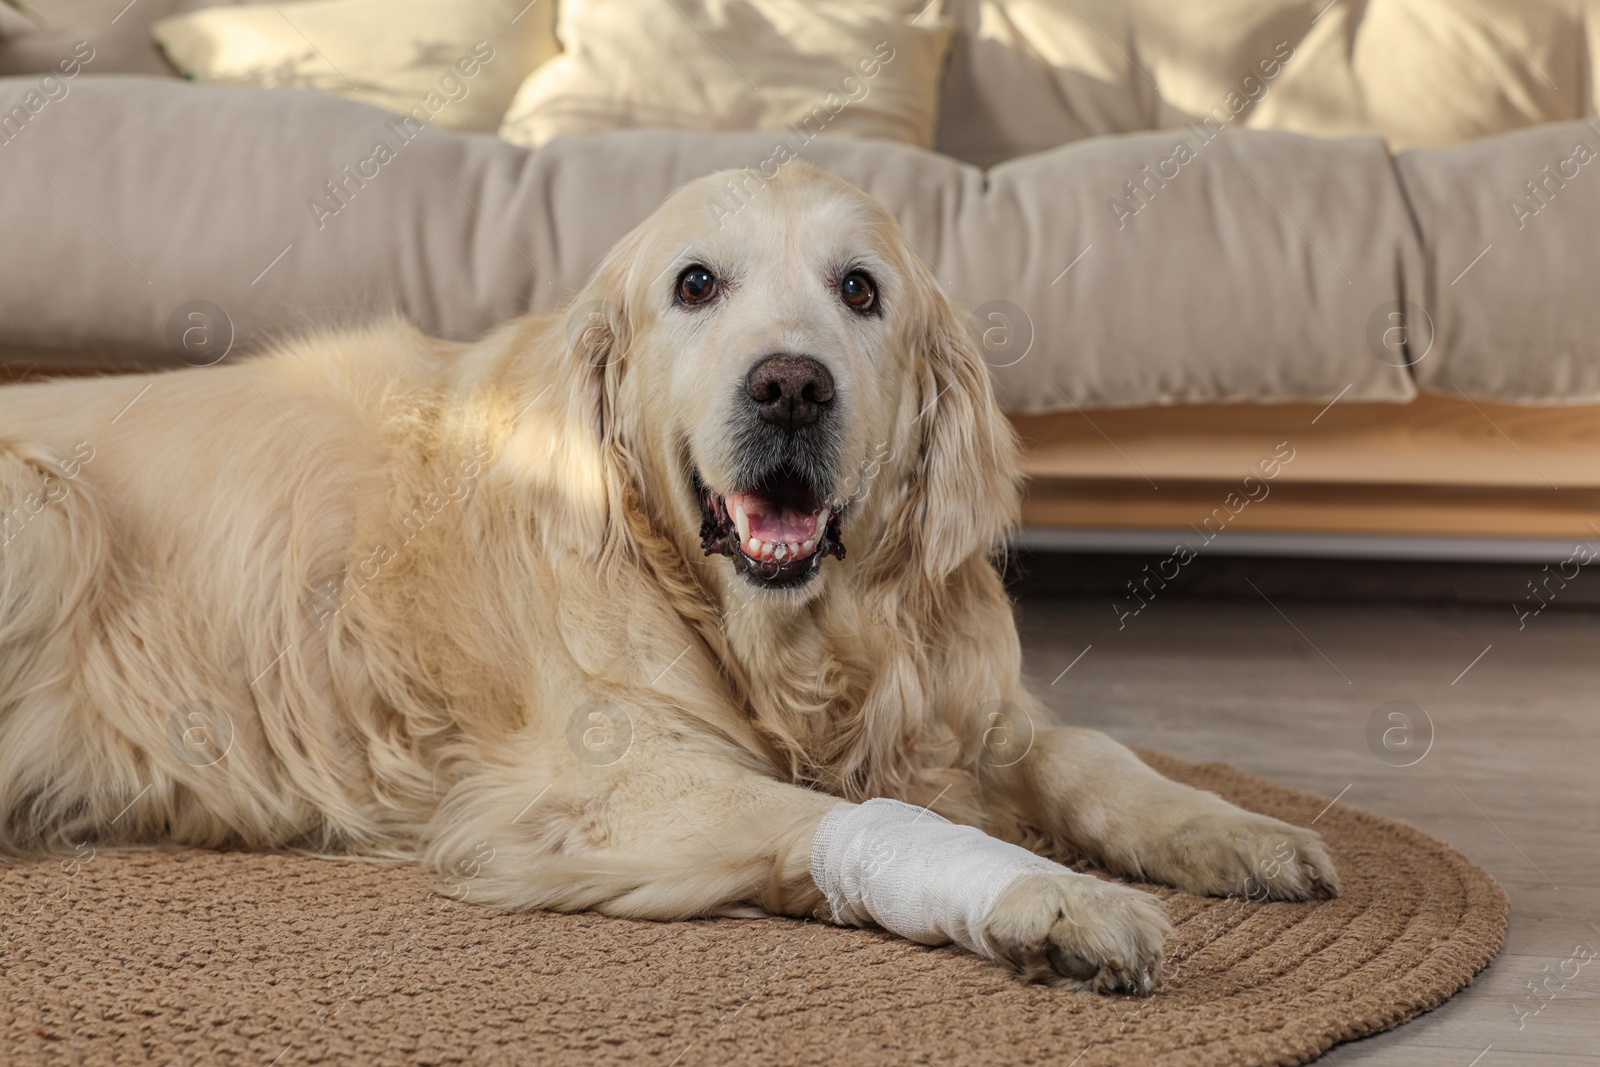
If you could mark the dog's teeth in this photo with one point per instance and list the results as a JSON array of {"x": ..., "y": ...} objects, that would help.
[
  {"x": 807, "y": 545},
  {"x": 752, "y": 548},
  {"x": 780, "y": 551},
  {"x": 741, "y": 522},
  {"x": 822, "y": 520}
]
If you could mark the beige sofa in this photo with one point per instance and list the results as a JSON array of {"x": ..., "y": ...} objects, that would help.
[{"x": 1188, "y": 233}]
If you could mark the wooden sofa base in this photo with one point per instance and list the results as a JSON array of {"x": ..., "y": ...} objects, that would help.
[{"x": 1439, "y": 466}]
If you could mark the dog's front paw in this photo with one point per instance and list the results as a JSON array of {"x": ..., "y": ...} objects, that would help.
[
  {"x": 1242, "y": 854},
  {"x": 1077, "y": 932}
]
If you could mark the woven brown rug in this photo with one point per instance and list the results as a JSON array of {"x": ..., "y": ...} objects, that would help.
[{"x": 271, "y": 959}]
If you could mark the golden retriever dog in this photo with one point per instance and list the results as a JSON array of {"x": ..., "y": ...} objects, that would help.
[{"x": 609, "y": 610}]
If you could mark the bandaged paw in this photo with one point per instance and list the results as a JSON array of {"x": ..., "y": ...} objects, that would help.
[{"x": 915, "y": 874}]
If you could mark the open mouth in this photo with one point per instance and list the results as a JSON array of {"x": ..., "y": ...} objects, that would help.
[{"x": 776, "y": 531}]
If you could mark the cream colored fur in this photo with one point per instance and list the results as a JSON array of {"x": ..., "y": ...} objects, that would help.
[{"x": 447, "y": 603}]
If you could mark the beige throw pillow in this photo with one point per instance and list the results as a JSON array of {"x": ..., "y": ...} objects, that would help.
[
  {"x": 451, "y": 63},
  {"x": 1028, "y": 75},
  {"x": 862, "y": 69}
]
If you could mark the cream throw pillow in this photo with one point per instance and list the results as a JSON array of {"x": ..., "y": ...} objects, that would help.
[
  {"x": 863, "y": 69},
  {"x": 450, "y": 63},
  {"x": 1032, "y": 74}
]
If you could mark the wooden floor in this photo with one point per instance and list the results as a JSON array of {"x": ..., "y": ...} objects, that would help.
[{"x": 1286, "y": 689}]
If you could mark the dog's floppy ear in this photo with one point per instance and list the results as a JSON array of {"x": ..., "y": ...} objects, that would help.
[
  {"x": 964, "y": 485},
  {"x": 600, "y": 339},
  {"x": 590, "y": 345},
  {"x": 598, "y": 335}
]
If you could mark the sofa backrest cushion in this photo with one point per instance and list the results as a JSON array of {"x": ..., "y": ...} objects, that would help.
[{"x": 1245, "y": 268}]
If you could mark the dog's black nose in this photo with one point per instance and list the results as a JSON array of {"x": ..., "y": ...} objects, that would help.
[{"x": 790, "y": 391}]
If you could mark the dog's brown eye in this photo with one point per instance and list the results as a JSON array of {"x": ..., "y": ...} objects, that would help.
[
  {"x": 858, "y": 291},
  {"x": 696, "y": 285}
]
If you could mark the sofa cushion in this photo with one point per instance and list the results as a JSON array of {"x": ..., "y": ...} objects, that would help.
[
  {"x": 1250, "y": 273},
  {"x": 840, "y": 66},
  {"x": 453, "y": 64},
  {"x": 1162, "y": 267},
  {"x": 1026, "y": 75},
  {"x": 1511, "y": 226}
]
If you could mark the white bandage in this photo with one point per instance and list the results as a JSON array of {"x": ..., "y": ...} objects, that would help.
[{"x": 915, "y": 874}]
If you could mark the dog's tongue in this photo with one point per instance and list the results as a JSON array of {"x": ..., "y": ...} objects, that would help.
[
  {"x": 773, "y": 524},
  {"x": 759, "y": 519}
]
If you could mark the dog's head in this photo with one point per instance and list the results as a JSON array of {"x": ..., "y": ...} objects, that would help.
[{"x": 783, "y": 382}]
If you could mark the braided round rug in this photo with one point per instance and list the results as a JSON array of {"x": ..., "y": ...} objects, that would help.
[{"x": 181, "y": 956}]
